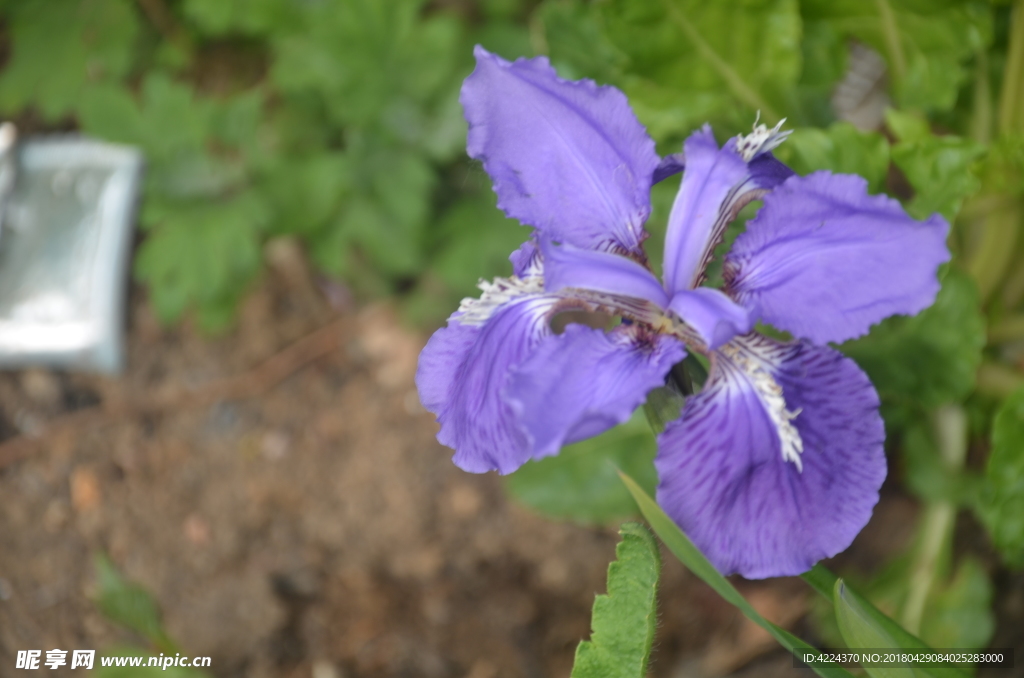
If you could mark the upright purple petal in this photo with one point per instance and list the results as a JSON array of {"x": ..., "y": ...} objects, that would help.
[
  {"x": 566, "y": 266},
  {"x": 715, "y": 316},
  {"x": 724, "y": 478},
  {"x": 824, "y": 260},
  {"x": 462, "y": 375},
  {"x": 585, "y": 381},
  {"x": 526, "y": 260},
  {"x": 567, "y": 157},
  {"x": 716, "y": 184}
]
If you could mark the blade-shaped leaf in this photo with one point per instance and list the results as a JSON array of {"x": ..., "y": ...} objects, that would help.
[
  {"x": 863, "y": 626},
  {"x": 625, "y": 619},
  {"x": 129, "y": 605},
  {"x": 683, "y": 549}
]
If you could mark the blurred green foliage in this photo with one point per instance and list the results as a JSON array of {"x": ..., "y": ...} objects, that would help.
[{"x": 337, "y": 122}]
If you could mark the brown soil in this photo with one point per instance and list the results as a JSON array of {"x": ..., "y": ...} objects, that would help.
[{"x": 312, "y": 526}]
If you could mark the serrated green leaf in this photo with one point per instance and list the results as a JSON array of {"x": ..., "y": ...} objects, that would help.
[
  {"x": 930, "y": 359},
  {"x": 690, "y": 61},
  {"x": 201, "y": 254},
  {"x": 864, "y": 627},
  {"x": 60, "y": 47},
  {"x": 306, "y": 190},
  {"x": 581, "y": 483},
  {"x": 941, "y": 169},
  {"x": 1002, "y": 508},
  {"x": 841, "y": 148},
  {"x": 624, "y": 620},
  {"x": 129, "y": 605},
  {"x": 253, "y": 17},
  {"x": 683, "y": 549},
  {"x": 341, "y": 49}
]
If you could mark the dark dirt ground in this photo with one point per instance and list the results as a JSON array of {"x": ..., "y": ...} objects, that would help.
[{"x": 313, "y": 526}]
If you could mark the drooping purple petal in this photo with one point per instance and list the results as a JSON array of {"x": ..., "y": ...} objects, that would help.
[
  {"x": 567, "y": 157},
  {"x": 717, "y": 183},
  {"x": 715, "y": 316},
  {"x": 462, "y": 375},
  {"x": 669, "y": 166},
  {"x": 824, "y": 260},
  {"x": 723, "y": 477},
  {"x": 568, "y": 266},
  {"x": 585, "y": 381}
]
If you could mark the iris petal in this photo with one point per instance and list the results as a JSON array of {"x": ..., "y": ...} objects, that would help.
[
  {"x": 585, "y": 381},
  {"x": 568, "y": 158},
  {"x": 462, "y": 374},
  {"x": 825, "y": 260},
  {"x": 566, "y": 266},
  {"x": 716, "y": 184},
  {"x": 715, "y": 316},
  {"x": 724, "y": 478}
]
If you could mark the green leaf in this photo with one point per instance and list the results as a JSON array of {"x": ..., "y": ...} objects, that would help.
[
  {"x": 581, "y": 482},
  {"x": 576, "y": 43},
  {"x": 1002, "y": 509},
  {"x": 690, "y": 61},
  {"x": 960, "y": 614},
  {"x": 683, "y": 549},
  {"x": 60, "y": 47},
  {"x": 929, "y": 476},
  {"x": 928, "y": 360},
  {"x": 927, "y": 44},
  {"x": 253, "y": 17},
  {"x": 129, "y": 605},
  {"x": 841, "y": 148},
  {"x": 142, "y": 671},
  {"x": 625, "y": 619},
  {"x": 340, "y": 51},
  {"x": 941, "y": 169},
  {"x": 475, "y": 239},
  {"x": 201, "y": 254},
  {"x": 864, "y": 627}
]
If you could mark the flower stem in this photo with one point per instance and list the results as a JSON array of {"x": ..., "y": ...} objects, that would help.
[
  {"x": 996, "y": 250},
  {"x": 891, "y": 31},
  {"x": 997, "y": 380},
  {"x": 1011, "y": 100},
  {"x": 1008, "y": 329},
  {"x": 950, "y": 425}
]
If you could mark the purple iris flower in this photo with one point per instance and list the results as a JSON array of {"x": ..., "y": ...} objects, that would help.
[{"x": 776, "y": 463}]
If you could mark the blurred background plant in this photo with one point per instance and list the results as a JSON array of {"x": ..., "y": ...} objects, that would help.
[{"x": 338, "y": 123}]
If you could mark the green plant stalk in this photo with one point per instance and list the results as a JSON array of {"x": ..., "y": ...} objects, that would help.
[
  {"x": 950, "y": 425},
  {"x": 1010, "y": 328},
  {"x": 980, "y": 125},
  {"x": 995, "y": 252},
  {"x": 1011, "y": 101},
  {"x": 997, "y": 380},
  {"x": 736, "y": 83},
  {"x": 891, "y": 31}
]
